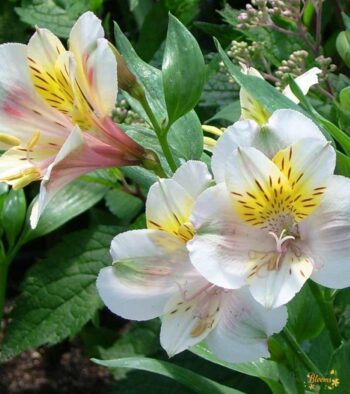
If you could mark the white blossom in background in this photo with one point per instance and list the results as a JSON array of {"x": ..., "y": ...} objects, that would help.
[{"x": 152, "y": 276}]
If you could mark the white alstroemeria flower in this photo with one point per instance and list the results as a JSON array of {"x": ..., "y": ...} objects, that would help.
[
  {"x": 55, "y": 107},
  {"x": 252, "y": 109},
  {"x": 275, "y": 223},
  {"x": 152, "y": 277},
  {"x": 283, "y": 128}
]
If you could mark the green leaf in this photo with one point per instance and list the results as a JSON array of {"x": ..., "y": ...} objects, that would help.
[
  {"x": 343, "y": 46},
  {"x": 152, "y": 34},
  {"x": 186, "y": 137},
  {"x": 230, "y": 113},
  {"x": 196, "y": 382},
  {"x": 339, "y": 135},
  {"x": 59, "y": 294},
  {"x": 344, "y": 98},
  {"x": 346, "y": 20},
  {"x": 142, "y": 338},
  {"x": 140, "y": 175},
  {"x": 184, "y": 10},
  {"x": 266, "y": 370},
  {"x": 340, "y": 363},
  {"x": 343, "y": 164},
  {"x": 74, "y": 199},
  {"x": 13, "y": 214},
  {"x": 58, "y": 17},
  {"x": 219, "y": 91},
  {"x": 183, "y": 70},
  {"x": 123, "y": 205},
  {"x": 302, "y": 305},
  {"x": 224, "y": 33},
  {"x": 148, "y": 76}
]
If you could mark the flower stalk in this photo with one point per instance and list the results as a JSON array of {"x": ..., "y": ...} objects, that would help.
[
  {"x": 161, "y": 133},
  {"x": 299, "y": 352}
]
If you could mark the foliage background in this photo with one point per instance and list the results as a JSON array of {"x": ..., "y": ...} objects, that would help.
[{"x": 51, "y": 290}]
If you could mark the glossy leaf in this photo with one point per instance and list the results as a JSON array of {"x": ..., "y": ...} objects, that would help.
[
  {"x": 59, "y": 294},
  {"x": 266, "y": 370},
  {"x": 123, "y": 205},
  {"x": 343, "y": 46},
  {"x": 302, "y": 305},
  {"x": 185, "y": 134},
  {"x": 74, "y": 199},
  {"x": 58, "y": 16},
  {"x": 13, "y": 214},
  {"x": 268, "y": 96},
  {"x": 196, "y": 382},
  {"x": 183, "y": 70}
]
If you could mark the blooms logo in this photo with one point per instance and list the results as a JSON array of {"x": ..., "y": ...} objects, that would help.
[{"x": 315, "y": 382}]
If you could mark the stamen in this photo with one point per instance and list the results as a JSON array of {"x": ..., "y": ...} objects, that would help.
[
  {"x": 212, "y": 130},
  {"x": 34, "y": 139},
  {"x": 9, "y": 139}
]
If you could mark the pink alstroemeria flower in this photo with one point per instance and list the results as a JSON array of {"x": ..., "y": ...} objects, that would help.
[{"x": 55, "y": 107}]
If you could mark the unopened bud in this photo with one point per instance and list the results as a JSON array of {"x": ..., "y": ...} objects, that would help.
[{"x": 126, "y": 79}]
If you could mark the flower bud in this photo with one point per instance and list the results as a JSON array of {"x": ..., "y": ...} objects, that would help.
[{"x": 126, "y": 79}]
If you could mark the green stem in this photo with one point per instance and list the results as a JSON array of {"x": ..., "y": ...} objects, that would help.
[
  {"x": 161, "y": 133},
  {"x": 3, "y": 285},
  {"x": 299, "y": 352},
  {"x": 163, "y": 140},
  {"x": 326, "y": 307}
]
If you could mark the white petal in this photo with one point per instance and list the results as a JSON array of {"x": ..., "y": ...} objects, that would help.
[
  {"x": 286, "y": 127},
  {"x": 244, "y": 327},
  {"x": 102, "y": 72},
  {"x": 44, "y": 48},
  {"x": 242, "y": 133},
  {"x": 50, "y": 186},
  {"x": 189, "y": 319},
  {"x": 220, "y": 249},
  {"x": 168, "y": 206},
  {"x": 275, "y": 287},
  {"x": 143, "y": 278},
  {"x": 193, "y": 176},
  {"x": 327, "y": 234},
  {"x": 85, "y": 32},
  {"x": 304, "y": 81},
  {"x": 96, "y": 63}
]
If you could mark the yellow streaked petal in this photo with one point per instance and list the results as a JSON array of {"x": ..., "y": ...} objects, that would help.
[
  {"x": 307, "y": 165},
  {"x": 168, "y": 207},
  {"x": 52, "y": 70},
  {"x": 260, "y": 191}
]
